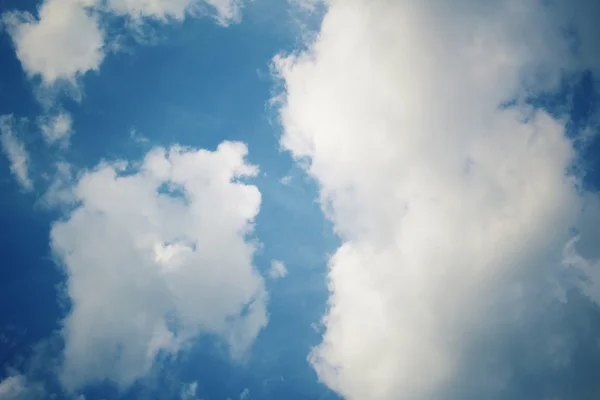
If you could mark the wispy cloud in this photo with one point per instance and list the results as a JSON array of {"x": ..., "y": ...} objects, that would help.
[
  {"x": 57, "y": 128},
  {"x": 15, "y": 151}
]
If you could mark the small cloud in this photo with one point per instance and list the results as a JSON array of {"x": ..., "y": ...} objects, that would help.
[
  {"x": 56, "y": 128},
  {"x": 286, "y": 180},
  {"x": 137, "y": 137},
  {"x": 306, "y": 5},
  {"x": 15, "y": 151},
  {"x": 189, "y": 391},
  {"x": 245, "y": 395},
  {"x": 226, "y": 11},
  {"x": 277, "y": 270}
]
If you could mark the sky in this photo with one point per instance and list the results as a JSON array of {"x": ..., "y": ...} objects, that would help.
[{"x": 299, "y": 199}]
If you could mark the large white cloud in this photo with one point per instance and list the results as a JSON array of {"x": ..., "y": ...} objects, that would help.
[
  {"x": 445, "y": 201},
  {"x": 155, "y": 255}
]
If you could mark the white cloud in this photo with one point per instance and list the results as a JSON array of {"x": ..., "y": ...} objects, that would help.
[
  {"x": 443, "y": 200},
  {"x": 277, "y": 270},
  {"x": 64, "y": 42},
  {"x": 15, "y": 151},
  {"x": 12, "y": 386},
  {"x": 189, "y": 391},
  {"x": 16, "y": 387},
  {"x": 56, "y": 128},
  {"x": 156, "y": 255},
  {"x": 227, "y": 10},
  {"x": 160, "y": 9}
]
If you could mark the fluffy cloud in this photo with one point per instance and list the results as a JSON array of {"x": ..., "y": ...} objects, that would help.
[
  {"x": 155, "y": 255},
  {"x": 56, "y": 128},
  {"x": 64, "y": 42},
  {"x": 446, "y": 201},
  {"x": 15, "y": 151},
  {"x": 277, "y": 270}
]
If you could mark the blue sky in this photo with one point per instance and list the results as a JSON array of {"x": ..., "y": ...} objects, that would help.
[{"x": 299, "y": 200}]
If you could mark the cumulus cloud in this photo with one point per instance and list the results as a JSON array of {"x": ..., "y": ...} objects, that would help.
[
  {"x": 15, "y": 151},
  {"x": 277, "y": 270},
  {"x": 56, "y": 128},
  {"x": 445, "y": 200},
  {"x": 63, "y": 42},
  {"x": 156, "y": 254},
  {"x": 66, "y": 39}
]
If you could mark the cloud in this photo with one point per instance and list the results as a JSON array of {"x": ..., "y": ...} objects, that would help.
[
  {"x": 15, "y": 151},
  {"x": 189, "y": 391},
  {"x": 227, "y": 10},
  {"x": 16, "y": 387},
  {"x": 589, "y": 281},
  {"x": 245, "y": 394},
  {"x": 56, "y": 128},
  {"x": 306, "y": 5},
  {"x": 277, "y": 270},
  {"x": 159, "y": 9},
  {"x": 137, "y": 137},
  {"x": 66, "y": 40},
  {"x": 59, "y": 192},
  {"x": 155, "y": 255},
  {"x": 451, "y": 208},
  {"x": 63, "y": 43}
]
